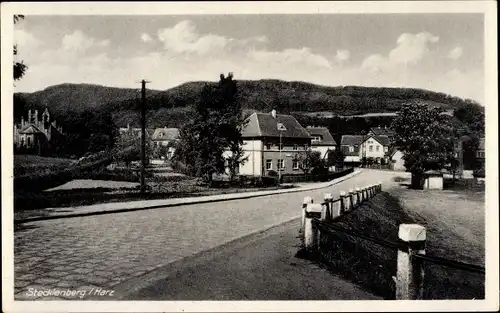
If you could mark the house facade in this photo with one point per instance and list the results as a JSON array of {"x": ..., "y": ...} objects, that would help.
[
  {"x": 357, "y": 147},
  {"x": 38, "y": 134},
  {"x": 262, "y": 136},
  {"x": 481, "y": 154},
  {"x": 321, "y": 140}
]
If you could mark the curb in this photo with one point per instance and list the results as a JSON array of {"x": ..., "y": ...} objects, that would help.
[{"x": 157, "y": 206}]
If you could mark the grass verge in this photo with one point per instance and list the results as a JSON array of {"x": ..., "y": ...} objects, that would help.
[{"x": 372, "y": 266}]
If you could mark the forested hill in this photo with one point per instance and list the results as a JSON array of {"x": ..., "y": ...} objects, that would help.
[{"x": 261, "y": 95}]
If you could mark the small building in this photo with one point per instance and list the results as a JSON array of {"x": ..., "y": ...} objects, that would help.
[
  {"x": 357, "y": 147},
  {"x": 433, "y": 180},
  {"x": 481, "y": 153},
  {"x": 272, "y": 142},
  {"x": 165, "y": 137},
  {"x": 38, "y": 135},
  {"x": 321, "y": 140}
]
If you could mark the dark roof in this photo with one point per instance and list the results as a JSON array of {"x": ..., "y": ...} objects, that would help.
[
  {"x": 136, "y": 131},
  {"x": 382, "y": 131},
  {"x": 30, "y": 129},
  {"x": 356, "y": 140},
  {"x": 166, "y": 134},
  {"x": 351, "y": 140},
  {"x": 326, "y": 137},
  {"x": 265, "y": 125},
  {"x": 393, "y": 150}
]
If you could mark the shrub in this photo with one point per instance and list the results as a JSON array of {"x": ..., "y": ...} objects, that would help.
[
  {"x": 272, "y": 173},
  {"x": 479, "y": 173}
]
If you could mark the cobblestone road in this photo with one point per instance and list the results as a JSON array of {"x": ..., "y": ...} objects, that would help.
[{"x": 102, "y": 251}]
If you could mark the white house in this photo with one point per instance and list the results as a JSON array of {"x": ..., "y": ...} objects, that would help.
[
  {"x": 271, "y": 142},
  {"x": 321, "y": 140},
  {"x": 357, "y": 147}
]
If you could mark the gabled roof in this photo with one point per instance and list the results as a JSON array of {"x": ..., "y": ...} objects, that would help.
[
  {"x": 377, "y": 131},
  {"x": 265, "y": 125},
  {"x": 31, "y": 129},
  {"x": 356, "y": 140},
  {"x": 351, "y": 140},
  {"x": 326, "y": 137},
  {"x": 136, "y": 131},
  {"x": 166, "y": 134}
]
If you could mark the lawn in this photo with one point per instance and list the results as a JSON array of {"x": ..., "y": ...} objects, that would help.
[
  {"x": 25, "y": 164},
  {"x": 455, "y": 230}
]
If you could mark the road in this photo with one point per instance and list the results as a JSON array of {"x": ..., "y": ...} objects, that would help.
[{"x": 106, "y": 250}]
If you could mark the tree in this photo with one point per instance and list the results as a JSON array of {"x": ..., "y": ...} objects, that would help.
[
  {"x": 425, "y": 137},
  {"x": 215, "y": 126},
  {"x": 308, "y": 160},
  {"x": 19, "y": 67},
  {"x": 336, "y": 158}
]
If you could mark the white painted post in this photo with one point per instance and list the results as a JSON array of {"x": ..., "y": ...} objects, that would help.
[
  {"x": 410, "y": 272},
  {"x": 305, "y": 202},
  {"x": 342, "y": 202},
  {"x": 351, "y": 198},
  {"x": 327, "y": 212},
  {"x": 358, "y": 196},
  {"x": 379, "y": 186},
  {"x": 311, "y": 237}
]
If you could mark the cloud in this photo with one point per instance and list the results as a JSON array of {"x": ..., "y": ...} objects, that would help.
[
  {"x": 146, "y": 38},
  {"x": 79, "y": 42},
  {"x": 25, "y": 39},
  {"x": 455, "y": 53},
  {"x": 343, "y": 55},
  {"x": 411, "y": 48},
  {"x": 289, "y": 57}
]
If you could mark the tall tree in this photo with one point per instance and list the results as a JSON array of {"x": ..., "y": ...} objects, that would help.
[
  {"x": 19, "y": 66},
  {"x": 425, "y": 137},
  {"x": 215, "y": 126}
]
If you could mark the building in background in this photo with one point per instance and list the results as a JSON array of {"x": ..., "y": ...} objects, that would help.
[
  {"x": 165, "y": 137},
  {"x": 38, "y": 134},
  {"x": 382, "y": 131},
  {"x": 396, "y": 160},
  {"x": 321, "y": 140},
  {"x": 358, "y": 147},
  {"x": 261, "y": 144}
]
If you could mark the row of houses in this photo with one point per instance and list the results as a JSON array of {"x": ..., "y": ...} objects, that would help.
[
  {"x": 272, "y": 142},
  {"x": 265, "y": 132}
]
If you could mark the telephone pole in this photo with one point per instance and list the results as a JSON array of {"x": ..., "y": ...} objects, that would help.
[{"x": 143, "y": 136}]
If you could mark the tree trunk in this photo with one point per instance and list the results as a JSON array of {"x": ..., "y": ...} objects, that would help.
[{"x": 416, "y": 181}]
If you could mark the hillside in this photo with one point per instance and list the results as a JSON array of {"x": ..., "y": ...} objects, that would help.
[{"x": 170, "y": 107}]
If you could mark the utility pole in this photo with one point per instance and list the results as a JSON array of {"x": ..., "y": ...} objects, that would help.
[{"x": 143, "y": 136}]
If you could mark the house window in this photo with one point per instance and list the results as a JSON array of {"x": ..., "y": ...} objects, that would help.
[
  {"x": 295, "y": 147},
  {"x": 370, "y": 148},
  {"x": 269, "y": 165},
  {"x": 316, "y": 138},
  {"x": 306, "y": 147},
  {"x": 295, "y": 165},
  {"x": 268, "y": 146},
  {"x": 386, "y": 149},
  {"x": 29, "y": 142},
  {"x": 377, "y": 148},
  {"x": 351, "y": 149},
  {"x": 281, "y": 163}
]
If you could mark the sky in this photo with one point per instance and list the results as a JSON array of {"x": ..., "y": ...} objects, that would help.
[{"x": 438, "y": 52}]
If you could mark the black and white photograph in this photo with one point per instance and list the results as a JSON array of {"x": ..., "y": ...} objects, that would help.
[{"x": 160, "y": 155}]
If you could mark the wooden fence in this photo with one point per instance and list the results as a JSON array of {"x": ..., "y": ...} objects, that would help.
[{"x": 318, "y": 220}]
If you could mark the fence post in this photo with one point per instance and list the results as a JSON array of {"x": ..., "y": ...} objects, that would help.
[
  {"x": 358, "y": 196},
  {"x": 310, "y": 231},
  {"x": 410, "y": 271},
  {"x": 342, "y": 203},
  {"x": 351, "y": 198},
  {"x": 364, "y": 193},
  {"x": 305, "y": 202},
  {"x": 327, "y": 213},
  {"x": 379, "y": 186}
]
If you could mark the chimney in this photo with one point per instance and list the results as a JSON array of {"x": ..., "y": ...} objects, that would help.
[
  {"x": 36, "y": 118},
  {"x": 22, "y": 122},
  {"x": 29, "y": 116},
  {"x": 273, "y": 113}
]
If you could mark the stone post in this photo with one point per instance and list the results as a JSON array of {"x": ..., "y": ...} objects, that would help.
[
  {"x": 410, "y": 271},
  {"x": 311, "y": 236},
  {"x": 342, "y": 202},
  {"x": 305, "y": 202},
  {"x": 327, "y": 212},
  {"x": 351, "y": 200},
  {"x": 358, "y": 196}
]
